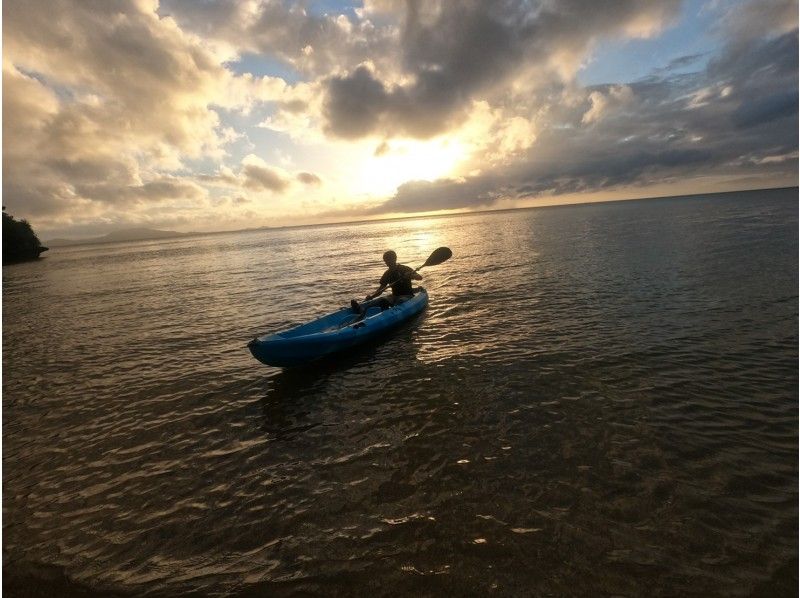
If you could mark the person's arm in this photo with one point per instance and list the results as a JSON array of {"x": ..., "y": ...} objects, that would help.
[
  {"x": 380, "y": 290},
  {"x": 407, "y": 272},
  {"x": 410, "y": 273}
]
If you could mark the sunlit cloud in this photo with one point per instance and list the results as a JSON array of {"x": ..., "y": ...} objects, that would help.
[{"x": 615, "y": 99}]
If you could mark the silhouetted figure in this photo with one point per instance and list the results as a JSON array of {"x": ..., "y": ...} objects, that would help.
[{"x": 398, "y": 277}]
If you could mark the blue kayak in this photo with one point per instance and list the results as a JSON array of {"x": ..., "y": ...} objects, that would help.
[{"x": 333, "y": 333}]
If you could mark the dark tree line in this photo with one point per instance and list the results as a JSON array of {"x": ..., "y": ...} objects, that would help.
[{"x": 20, "y": 243}]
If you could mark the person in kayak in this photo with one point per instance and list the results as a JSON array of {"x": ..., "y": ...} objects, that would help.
[{"x": 399, "y": 277}]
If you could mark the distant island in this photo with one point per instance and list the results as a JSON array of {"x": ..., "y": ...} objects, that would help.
[
  {"x": 20, "y": 243},
  {"x": 118, "y": 236}
]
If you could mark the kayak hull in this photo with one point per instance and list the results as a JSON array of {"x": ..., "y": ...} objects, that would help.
[{"x": 333, "y": 333}]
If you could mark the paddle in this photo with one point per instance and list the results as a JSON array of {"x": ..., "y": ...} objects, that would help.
[
  {"x": 442, "y": 254},
  {"x": 439, "y": 255}
]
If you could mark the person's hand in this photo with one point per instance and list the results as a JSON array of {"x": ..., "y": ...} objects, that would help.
[{"x": 368, "y": 297}]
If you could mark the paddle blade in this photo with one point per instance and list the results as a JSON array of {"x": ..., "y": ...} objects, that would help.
[{"x": 442, "y": 254}]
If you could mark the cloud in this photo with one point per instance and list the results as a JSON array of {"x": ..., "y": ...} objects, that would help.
[
  {"x": 257, "y": 176},
  {"x": 308, "y": 178},
  {"x": 312, "y": 44},
  {"x": 413, "y": 68},
  {"x": 158, "y": 190},
  {"x": 262, "y": 178},
  {"x": 747, "y": 21},
  {"x": 422, "y": 196},
  {"x": 356, "y": 104},
  {"x": 453, "y": 54},
  {"x": 102, "y": 100},
  {"x": 603, "y": 104},
  {"x": 764, "y": 110},
  {"x": 554, "y": 176},
  {"x": 683, "y": 62},
  {"x": 736, "y": 116},
  {"x": 111, "y": 110},
  {"x": 147, "y": 81}
]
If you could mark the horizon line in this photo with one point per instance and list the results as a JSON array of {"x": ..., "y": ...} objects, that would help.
[{"x": 178, "y": 234}]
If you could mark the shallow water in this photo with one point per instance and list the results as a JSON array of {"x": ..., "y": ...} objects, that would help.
[{"x": 599, "y": 400}]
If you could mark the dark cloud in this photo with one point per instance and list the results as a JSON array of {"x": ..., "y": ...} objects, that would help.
[
  {"x": 754, "y": 19},
  {"x": 684, "y": 61},
  {"x": 422, "y": 196},
  {"x": 679, "y": 63},
  {"x": 453, "y": 53},
  {"x": 262, "y": 178},
  {"x": 764, "y": 110},
  {"x": 735, "y": 117},
  {"x": 760, "y": 62},
  {"x": 34, "y": 198},
  {"x": 151, "y": 192},
  {"x": 624, "y": 167},
  {"x": 760, "y": 82},
  {"x": 87, "y": 168},
  {"x": 308, "y": 178},
  {"x": 356, "y": 104},
  {"x": 255, "y": 176},
  {"x": 293, "y": 106},
  {"x": 584, "y": 172}
]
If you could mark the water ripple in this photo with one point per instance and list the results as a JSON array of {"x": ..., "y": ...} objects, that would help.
[{"x": 600, "y": 400}]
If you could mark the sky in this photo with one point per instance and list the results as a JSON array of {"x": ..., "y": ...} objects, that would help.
[{"x": 199, "y": 115}]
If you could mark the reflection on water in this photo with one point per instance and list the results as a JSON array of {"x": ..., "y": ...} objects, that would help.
[{"x": 599, "y": 400}]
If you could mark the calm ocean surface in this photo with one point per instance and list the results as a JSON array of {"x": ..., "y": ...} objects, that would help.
[{"x": 599, "y": 400}]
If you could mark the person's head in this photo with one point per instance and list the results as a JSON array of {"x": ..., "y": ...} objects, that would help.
[{"x": 390, "y": 257}]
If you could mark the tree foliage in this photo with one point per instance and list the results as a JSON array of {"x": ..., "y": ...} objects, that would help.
[{"x": 20, "y": 243}]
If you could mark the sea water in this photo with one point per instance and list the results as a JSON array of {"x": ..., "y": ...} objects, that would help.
[{"x": 599, "y": 400}]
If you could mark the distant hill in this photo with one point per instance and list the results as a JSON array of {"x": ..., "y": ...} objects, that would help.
[{"x": 118, "y": 236}]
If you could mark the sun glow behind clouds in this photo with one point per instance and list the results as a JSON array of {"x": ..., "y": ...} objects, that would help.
[{"x": 392, "y": 164}]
